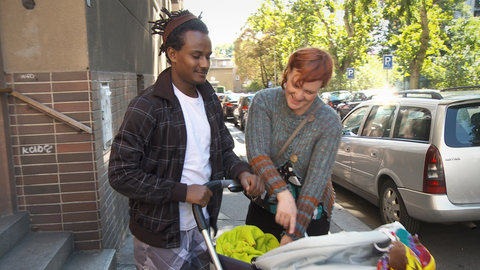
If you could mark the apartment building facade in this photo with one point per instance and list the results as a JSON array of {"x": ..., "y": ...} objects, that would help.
[{"x": 223, "y": 73}]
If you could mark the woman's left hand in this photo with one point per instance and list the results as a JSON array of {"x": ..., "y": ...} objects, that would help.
[
  {"x": 252, "y": 184},
  {"x": 286, "y": 211}
]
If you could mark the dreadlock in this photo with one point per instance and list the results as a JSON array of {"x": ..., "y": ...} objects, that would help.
[
  {"x": 175, "y": 38},
  {"x": 160, "y": 25}
]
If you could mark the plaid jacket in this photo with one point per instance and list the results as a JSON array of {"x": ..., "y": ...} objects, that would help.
[{"x": 147, "y": 157}]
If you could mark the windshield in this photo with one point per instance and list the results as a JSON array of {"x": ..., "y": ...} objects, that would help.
[
  {"x": 339, "y": 95},
  {"x": 232, "y": 98}
]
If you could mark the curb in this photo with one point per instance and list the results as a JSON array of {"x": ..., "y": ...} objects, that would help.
[{"x": 345, "y": 221}]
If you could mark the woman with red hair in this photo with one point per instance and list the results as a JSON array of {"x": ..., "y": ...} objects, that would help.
[{"x": 299, "y": 194}]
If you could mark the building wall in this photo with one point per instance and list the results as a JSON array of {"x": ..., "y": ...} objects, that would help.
[
  {"x": 8, "y": 200},
  {"x": 476, "y": 7},
  {"x": 52, "y": 36},
  {"x": 126, "y": 63},
  {"x": 110, "y": 49},
  {"x": 223, "y": 73},
  {"x": 63, "y": 54},
  {"x": 113, "y": 206},
  {"x": 223, "y": 76},
  {"x": 54, "y": 163}
]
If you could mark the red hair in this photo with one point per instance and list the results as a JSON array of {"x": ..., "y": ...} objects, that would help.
[{"x": 313, "y": 65}]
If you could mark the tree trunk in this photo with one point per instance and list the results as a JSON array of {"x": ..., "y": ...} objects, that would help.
[
  {"x": 414, "y": 77},
  {"x": 419, "y": 58}
]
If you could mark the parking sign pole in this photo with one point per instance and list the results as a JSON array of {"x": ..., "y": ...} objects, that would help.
[{"x": 387, "y": 64}]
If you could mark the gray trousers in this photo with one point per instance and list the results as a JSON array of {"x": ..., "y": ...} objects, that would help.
[{"x": 190, "y": 255}]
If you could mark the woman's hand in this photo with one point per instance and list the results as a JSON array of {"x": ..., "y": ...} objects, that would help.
[
  {"x": 286, "y": 211},
  {"x": 252, "y": 184}
]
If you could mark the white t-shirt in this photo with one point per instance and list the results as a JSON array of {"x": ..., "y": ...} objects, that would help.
[{"x": 197, "y": 168}]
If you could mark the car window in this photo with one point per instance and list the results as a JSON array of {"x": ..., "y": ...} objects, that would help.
[
  {"x": 413, "y": 123},
  {"x": 359, "y": 97},
  {"x": 232, "y": 98},
  {"x": 351, "y": 124},
  {"x": 462, "y": 127},
  {"x": 339, "y": 96},
  {"x": 248, "y": 100},
  {"x": 379, "y": 121}
]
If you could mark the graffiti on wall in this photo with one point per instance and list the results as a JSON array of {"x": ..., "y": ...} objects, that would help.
[{"x": 37, "y": 149}]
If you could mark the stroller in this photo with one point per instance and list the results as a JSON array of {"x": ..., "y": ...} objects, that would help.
[{"x": 343, "y": 250}]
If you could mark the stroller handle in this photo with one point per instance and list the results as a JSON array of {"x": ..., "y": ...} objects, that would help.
[{"x": 233, "y": 186}]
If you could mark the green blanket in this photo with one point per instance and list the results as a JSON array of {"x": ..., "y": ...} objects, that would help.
[{"x": 245, "y": 242}]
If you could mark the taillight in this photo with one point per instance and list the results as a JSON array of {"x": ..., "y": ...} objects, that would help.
[
  {"x": 245, "y": 108},
  {"x": 433, "y": 175},
  {"x": 330, "y": 103},
  {"x": 229, "y": 105}
]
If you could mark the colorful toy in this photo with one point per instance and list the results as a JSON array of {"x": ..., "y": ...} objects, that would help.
[{"x": 406, "y": 252}]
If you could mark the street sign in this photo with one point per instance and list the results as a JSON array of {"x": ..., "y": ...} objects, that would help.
[
  {"x": 350, "y": 73},
  {"x": 387, "y": 62}
]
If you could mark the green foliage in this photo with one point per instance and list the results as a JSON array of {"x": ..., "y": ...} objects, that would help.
[
  {"x": 417, "y": 33},
  {"x": 254, "y": 86},
  {"x": 434, "y": 40},
  {"x": 223, "y": 50},
  {"x": 258, "y": 55},
  {"x": 460, "y": 64},
  {"x": 277, "y": 29},
  {"x": 370, "y": 75}
]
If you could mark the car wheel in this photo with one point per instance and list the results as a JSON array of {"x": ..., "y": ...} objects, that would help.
[
  {"x": 393, "y": 209},
  {"x": 235, "y": 121}
]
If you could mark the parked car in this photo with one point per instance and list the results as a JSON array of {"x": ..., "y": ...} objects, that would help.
[
  {"x": 220, "y": 96},
  {"x": 241, "y": 112},
  {"x": 334, "y": 98},
  {"x": 416, "y": 158},
  {"x": 229, "y": 103},
  {"x": 353, "y": 100}
]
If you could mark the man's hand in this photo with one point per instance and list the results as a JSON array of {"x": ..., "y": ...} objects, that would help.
[
  {"x": 252, "y": 184},
  {"x": 286, "y": 211},
  {"x": 198, "y": 194}
]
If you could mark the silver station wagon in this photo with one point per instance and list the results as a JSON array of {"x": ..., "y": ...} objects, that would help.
[{"x": 416, "y": 158}]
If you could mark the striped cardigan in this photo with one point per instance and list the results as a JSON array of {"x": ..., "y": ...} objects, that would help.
[{"x": 270, "y": 123}]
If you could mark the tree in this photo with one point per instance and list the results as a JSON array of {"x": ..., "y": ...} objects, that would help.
[
  {"x": 416, "y": 33},
  {"x": 460, "y": 65},
  {"x": 257, "y": 53},
  {"x": 371, "y": 75},
  {"x": 341, "y": 28},
  {"x": 223, "y": 50}
]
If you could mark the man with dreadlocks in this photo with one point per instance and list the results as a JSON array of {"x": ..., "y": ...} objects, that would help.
[{"x": 173, "y": 139}]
